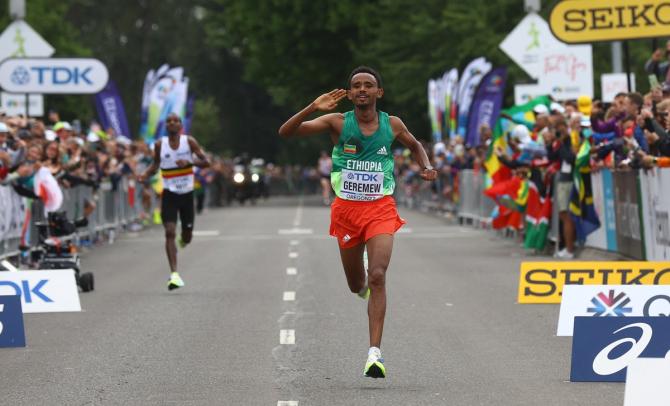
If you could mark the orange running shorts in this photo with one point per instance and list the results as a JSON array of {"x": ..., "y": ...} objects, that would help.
[{"x": 354, "y": 222}]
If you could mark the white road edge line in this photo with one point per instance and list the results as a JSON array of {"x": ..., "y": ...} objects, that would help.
[
  {"x": 287, "y": 337},
  {"x": 289, "y": 296},
  {"x": 291, "y": 271}
]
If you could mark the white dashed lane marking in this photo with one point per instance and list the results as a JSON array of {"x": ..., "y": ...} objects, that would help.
[
  {"x": 206, "y": 233},
  {"x": 293, "y": 255},
  {"x": 287, "y": 337},
  {"x": 289, "y": 296},
  {"x": 287, "y": 403},
  {"x": 291, "y": 271},
  {"x": 295, "y": 231}
]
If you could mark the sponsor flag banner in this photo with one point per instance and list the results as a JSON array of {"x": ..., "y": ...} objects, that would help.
[
  {"x": 110, "y": 110},
  {"x": 487, "y": 103},
  {"x": 432, "y": 108},
  {"x": 603, "y": 347},
  {"x": 165, "y": 91},
  {"x": 190, "y": 110},
  {"x": 611, "y": 301},
  {"x": 450, "y": 96},
  {"x": 543, "y": 282},
  {"x": 42, "y": 291},
  {"x": 472, "y": 75}
]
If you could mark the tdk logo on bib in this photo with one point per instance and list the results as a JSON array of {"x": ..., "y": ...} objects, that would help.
[{"x": 364, "y": 177}]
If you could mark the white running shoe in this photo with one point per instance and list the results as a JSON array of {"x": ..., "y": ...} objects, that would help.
[
  {"x": 564, "y": 254},
  {"x": 374, "y": 367},
  {"x": 175, "y": 281}
]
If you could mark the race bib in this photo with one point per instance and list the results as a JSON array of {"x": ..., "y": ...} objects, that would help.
[
  {"x": 179, "y": 184},
  {"x": 362, "y": 186},
  {"x": 566, "y": 167}
]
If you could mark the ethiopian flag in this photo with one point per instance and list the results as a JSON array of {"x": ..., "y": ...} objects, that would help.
[{"x": 581, "y": 199}]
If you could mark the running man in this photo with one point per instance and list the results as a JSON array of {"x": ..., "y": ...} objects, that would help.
[
  {"x": 174, "y": 157},
  {"x": 364, "y": 213}
]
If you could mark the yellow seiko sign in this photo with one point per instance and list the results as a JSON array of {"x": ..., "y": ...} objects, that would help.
[
  {"x": 578, "y": 21},
  {"x": 542, "y": 282}
]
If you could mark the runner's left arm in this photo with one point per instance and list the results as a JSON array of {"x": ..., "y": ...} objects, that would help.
[
  {"x": 402, "y": 134},
  {"x": 202, "y": 161}
]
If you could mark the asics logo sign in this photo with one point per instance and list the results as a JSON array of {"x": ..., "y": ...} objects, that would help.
[
  {"x": 604, "y": 365},
  {"x": 604, "y": 347},
  {"x": 57, "y": 75}
]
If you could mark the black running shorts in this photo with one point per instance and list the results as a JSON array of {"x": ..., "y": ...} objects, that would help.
[{"x": 173, "y": 204}]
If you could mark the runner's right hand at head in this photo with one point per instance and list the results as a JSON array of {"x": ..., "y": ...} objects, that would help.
[{"x": 328, "y": 101}]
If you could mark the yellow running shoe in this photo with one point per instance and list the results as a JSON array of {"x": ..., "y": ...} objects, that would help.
[{"x": 157, "y": 217}]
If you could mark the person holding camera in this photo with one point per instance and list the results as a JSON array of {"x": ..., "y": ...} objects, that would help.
[{"x": 657, "y": 66}]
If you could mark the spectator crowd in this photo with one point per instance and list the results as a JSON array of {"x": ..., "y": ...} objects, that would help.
[{"x": 552, "y": 141}]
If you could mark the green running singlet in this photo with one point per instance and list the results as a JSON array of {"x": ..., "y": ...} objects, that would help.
[{"x": 363, "y": 165}]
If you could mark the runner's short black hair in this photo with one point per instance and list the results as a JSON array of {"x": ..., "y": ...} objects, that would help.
[{"x": 365, "y": 69}]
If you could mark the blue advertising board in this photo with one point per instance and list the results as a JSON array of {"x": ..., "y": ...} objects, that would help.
[
  {"x": 603, "y": 347},
  {"x": 11, "y": 322}
]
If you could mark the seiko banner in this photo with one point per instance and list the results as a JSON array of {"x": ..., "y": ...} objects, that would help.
[
  {"x": 42, "y": 291},
  {"x": 603, "y": 347},
  {"x": 583, "y": 21},
  {"x": 53, "y": 75},
  {"x": 611, "y": 301},
  {"x": 542, "y": 282}
]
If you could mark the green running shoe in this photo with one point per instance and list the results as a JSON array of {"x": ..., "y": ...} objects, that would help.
[
  {"x": 374, "y": 367},
  {"x": 180, "y": 242},
  {"x": 175, "y": 281}
]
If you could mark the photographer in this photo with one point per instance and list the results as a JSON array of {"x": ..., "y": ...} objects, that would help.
[{"x": 657, "y": 66}]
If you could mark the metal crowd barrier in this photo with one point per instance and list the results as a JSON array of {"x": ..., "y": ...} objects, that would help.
[
  {"x": 117, "y": 206},
  {"x": 632, "y": 207}
]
